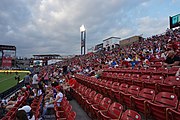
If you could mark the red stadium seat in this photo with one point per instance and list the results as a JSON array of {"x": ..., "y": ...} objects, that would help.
[
  {"x": 157, "y": 108},
  {"x": 96, "y": 100},
  {"x": 145, "y": 94},
  {"x": 169, "y": 84},
  {"x": 127, "y": 79},
  {"x": 114, "y": 112},
  {"x": 142, "y": 79},
  {"x": 102, "y": 106},
  {"x": 107, "y": 89},
  {"x": 153, "y": 81},
  {"x": 161, "y": 71},
  {"x": 120, "y": 77},
  {"x": 126, "y": 97},
  {"x": 114, "y": 90},
  {"x": 122, "y": 88},
  {"x": 172, "y": 114},
  {"x": 130, "y": 115},
  {"x": 89, "y": 99}
]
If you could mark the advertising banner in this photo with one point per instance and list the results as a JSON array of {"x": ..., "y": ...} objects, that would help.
[{"x": 7, "y": 62}]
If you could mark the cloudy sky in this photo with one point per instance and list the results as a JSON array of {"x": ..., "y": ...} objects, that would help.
[{"x": 52, "y": 26}]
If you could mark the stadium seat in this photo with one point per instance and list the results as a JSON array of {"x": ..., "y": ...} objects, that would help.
[
  {"x": 64, "y": 114},
  {"x": 172, "y": 71},
  {"x": 130, "y": 115},
  {"x": 114, "y": 89},
  {"x": 114, "y": 112},
  {"x": 107, "y": 89},
  {"x": 102, "y": 106},
  {"x": 152, "y": 83},
  {"x": 142, "y": 79},
  {"x": 169, "y": 84},
  {"x": 84, "y": 96},
  {"x": 120, "y": 77},
  {"x": 122, "y": 88},
  {"x": 137, "y": 103},
  {"x": 173, "y": 114},
  {"x": 161, "y": 71},
  {"x": 96, "y": 100},
  {"x": 89, "y": 98},
  {"x": 126, "y": 96},
  {"x": 127, "y": 79},
  {"x": 157, "y": 108}
]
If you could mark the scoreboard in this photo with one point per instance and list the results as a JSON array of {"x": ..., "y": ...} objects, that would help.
[{"x": 174, "y": 21}]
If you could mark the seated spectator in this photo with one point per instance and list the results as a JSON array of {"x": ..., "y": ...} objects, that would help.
[
  {"x": 28, "y": 112},
  {"x": 11, "y": 104},
  {"x": 50, "y": 103},
  {"x": 21, "y": 115},
  {"x": 172, "y": 59}
]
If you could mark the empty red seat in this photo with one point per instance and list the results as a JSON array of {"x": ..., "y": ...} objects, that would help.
[
  {"x": 137, "y": 103},
  {"x": 96, "y": 100},
  {"x": 130, "y": 115},
  {"x": 173, "y": 114},
  {"x": 127, "y": 79},
  {"x": 125, "y": 96},
  {"x": 142, "y": 79},
  {"x": 120, "y": 77},
  {"x": 114, "y": 89},
  {"x": 114, "y": 112},
  {"x": 169, "y": 83},
  {"x": 102, "y": 106},
  {"x": 89, "y": 98},
  {"x": 122, "y": 88},
  {"x": 157, "y": 108},
  {"x": 153, "y": 82},
  {"x": 161, "y": 71}
]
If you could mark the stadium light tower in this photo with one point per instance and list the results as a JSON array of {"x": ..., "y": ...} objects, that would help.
[{"x": 83, "y": 39}]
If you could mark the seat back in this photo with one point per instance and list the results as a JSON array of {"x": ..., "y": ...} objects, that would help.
[
  {"x": 130, "y": 115},
  {"x": 147, "y": 94},
  {"x": 123, "y": 87},
  {"x": 105, "y": 103},
  {"x": 166, "y": 99},
  {"x": 145, "y": 78},
  {"x": 172, "y": 80},
  {"x": 115, "y": 110},
  {"x": 157, "y": 79},
  {"x": 134, "y": 90},
  {"x": 109, "y": 84},
  {"x": 72, "y": 115},
  {"x": 115, "y": 86},
  {"x": 173, "y": 114},
  {"x": 135, "y": 77},
  {"x": 87, "y": 92},
  {"x": 127, "y": 76},
  {"x": 98, "y": 98},
  {"x": 92, "y": 95}
]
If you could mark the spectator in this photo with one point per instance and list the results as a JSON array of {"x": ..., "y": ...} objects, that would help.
[
  {"x": 28, "y": 112},
  {"x": 172, "y": 59},
  {"x": 27, "y": 79},
  {"x": 17, "y": 77},
  {"x": 35, "y": 80}
]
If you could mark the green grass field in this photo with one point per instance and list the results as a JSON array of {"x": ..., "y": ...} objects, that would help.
[{"x": 8, "y": 80}]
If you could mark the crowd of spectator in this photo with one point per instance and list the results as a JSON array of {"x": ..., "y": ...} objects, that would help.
[{"x": 54, "y": 81}]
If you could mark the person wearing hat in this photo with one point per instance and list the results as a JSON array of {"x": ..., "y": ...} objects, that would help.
[{"x": 28, "y": 111}]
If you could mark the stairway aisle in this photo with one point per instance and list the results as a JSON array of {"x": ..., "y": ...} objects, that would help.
[{"x": 80, "y": 113}]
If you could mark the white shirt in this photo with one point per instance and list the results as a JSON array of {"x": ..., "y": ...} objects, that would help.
[
  {"x": 60, "y": 95},
  {"x": 35, "y": 79}
]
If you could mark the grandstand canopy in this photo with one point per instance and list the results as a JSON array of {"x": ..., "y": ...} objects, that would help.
[
  {"x": 47, "y": 56},
  {"x": 7, "y": 47}
]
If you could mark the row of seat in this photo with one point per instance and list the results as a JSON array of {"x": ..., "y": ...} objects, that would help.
[
  {"x": 151, "y": 71},
  {"x": 99, "y": 107},
  {"x": 63, "y": 110},
  {"x": 143, "y": 101},
  {"x": 36, "y": 106},
  {"x": 11, "y": 114},
  {"x": 158, "y": 83}
]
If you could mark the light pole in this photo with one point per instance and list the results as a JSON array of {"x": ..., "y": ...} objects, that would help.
[{"x": 83, "y": 39}]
